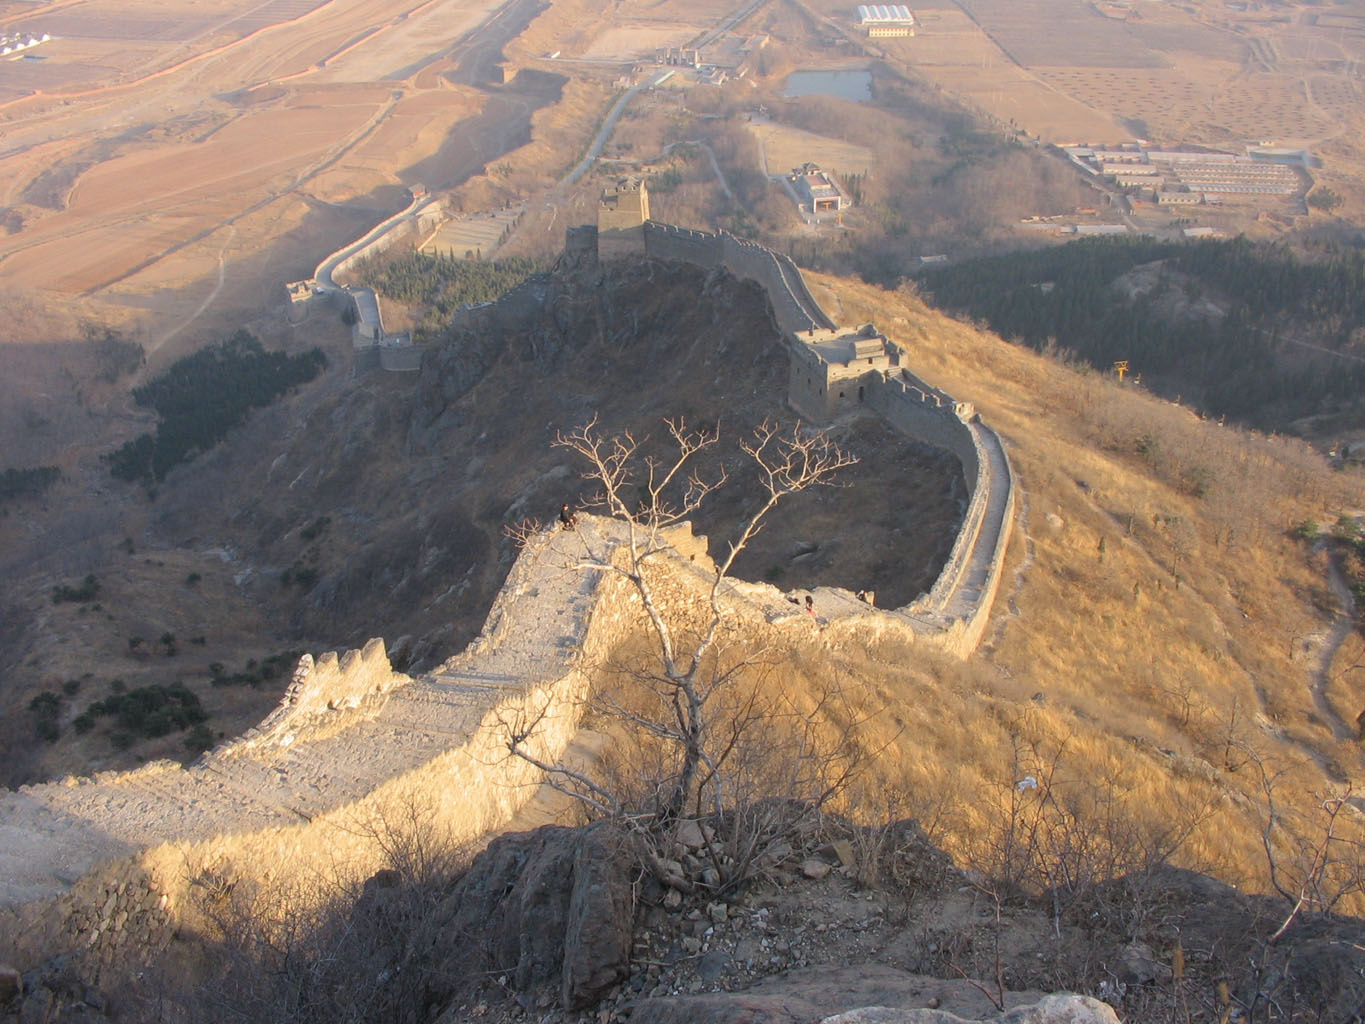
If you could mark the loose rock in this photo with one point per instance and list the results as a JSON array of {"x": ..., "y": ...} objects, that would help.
[{"x": 813, "y": 868}]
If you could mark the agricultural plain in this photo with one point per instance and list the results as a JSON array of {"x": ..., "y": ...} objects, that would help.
[
  {"x": 158, "y": 159},
  {"x": 1212, "y": 74}
]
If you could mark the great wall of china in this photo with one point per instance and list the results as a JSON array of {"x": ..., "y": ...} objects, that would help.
[
  {"x": 116, "y": 864},
  {"x": 953, "y": 614}
]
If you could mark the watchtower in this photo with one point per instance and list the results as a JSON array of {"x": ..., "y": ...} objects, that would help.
[
  {"x": 832, "y": 369},
  {"x": 621, "y": 217}
]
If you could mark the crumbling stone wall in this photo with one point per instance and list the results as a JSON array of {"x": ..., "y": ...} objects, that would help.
[
  {"x": 953, "y": 614},
  {"x": 128, "y": 898},
  {"x": 119, "y": 885}
]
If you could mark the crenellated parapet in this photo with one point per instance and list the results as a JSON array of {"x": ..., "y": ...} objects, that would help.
[
  {"x": 114, "y": 864},
  {"x": 839, "y": 370}
]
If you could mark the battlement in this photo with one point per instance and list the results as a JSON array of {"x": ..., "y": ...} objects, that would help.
[
  {"x": 107, "y": 863},
  {"x": 621, "y": 215},
  {"x": 837, "y": 370}
]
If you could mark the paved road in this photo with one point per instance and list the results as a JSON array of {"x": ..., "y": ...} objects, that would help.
[
  {"x": 609, "y": 125},
  {"x": 653, "y": 80}
]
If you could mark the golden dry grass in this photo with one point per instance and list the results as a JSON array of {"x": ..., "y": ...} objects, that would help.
[
  {"x": 1153, "y": 648},
  {"x": 785, "y": 147},
  {"x": 1152, "y": 636}
]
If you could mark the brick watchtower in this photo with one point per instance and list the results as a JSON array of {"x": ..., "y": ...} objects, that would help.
[{"x": 621, "y": 216}]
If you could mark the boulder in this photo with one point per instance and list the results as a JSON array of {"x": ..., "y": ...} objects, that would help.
[
  {"x": 551, "y": 909},
  {"x": 1138, "y": 965},
  {"x": 601, "y": 916},
  {"x": 11, "y": 984},
  {"x": 810, "y": 994},
  {"x": 813, "y": 868},
  {"x": 690, "y": 834}
]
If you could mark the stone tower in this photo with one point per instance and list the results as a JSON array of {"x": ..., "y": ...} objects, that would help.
[{"x": 621, "y": 217}]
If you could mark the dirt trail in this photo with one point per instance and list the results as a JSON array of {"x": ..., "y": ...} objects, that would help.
[
  {"x": 208, "y": 299},
  {"x": 1325, "y": 647}
]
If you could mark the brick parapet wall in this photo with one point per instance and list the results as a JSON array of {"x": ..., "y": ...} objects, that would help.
[
  {"x": 121, "y": 889},
  {"x": 954, "y": 612}
]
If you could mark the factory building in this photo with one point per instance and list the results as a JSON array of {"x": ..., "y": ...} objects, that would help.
[{"x": 883, "y": 21}]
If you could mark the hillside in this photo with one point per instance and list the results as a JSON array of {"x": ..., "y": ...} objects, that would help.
[
  {"x": 1265, "y": 334},
  {"x": 1166, "y": 680},
  {"x": 376, "y": 506},
  {"x": 1167, "y": 650}
]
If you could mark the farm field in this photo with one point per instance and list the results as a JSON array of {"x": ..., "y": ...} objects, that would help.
[
  {"x": 176, "y": 150},
  {"x": 1201, "y": 74},
  {"x": 784, "y": 147},
  {"x": 639, "y": 40},
  {"x": 159, "y": 157},
  {"x": 479, "y": 235}
]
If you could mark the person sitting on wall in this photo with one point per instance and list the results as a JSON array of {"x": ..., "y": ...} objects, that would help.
[{"x": 568, "y": 518}]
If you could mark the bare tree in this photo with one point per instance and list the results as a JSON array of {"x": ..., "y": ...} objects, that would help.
[
  {"x": 697, "y": 712},
  {"x": 1314, "y": 862}
]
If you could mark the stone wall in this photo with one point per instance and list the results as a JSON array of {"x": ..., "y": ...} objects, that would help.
[
  {"x": 953, "y": 614},
  {"x": 115, "y": 865},
  {"x": 793, "y": 307},
  {"x": 125, "y": 901},
  {"x": 401, "y": 358},
  {"x": 927, "y": 415},
  {"x": 391, "y": 232},
  {"x": 670, "y": 242}
]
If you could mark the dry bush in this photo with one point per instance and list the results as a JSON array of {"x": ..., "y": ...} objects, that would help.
[
  {"x": 329, "y": 948},
  {"x": 1154, "y": 606},
  {"x": 705, "y": 733},
  {"x": 1056, "y": 832}
]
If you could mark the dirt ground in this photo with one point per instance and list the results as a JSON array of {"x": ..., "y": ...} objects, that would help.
[
  {"x": 785, "y": 147},
  {"x": 211, "y": 143}
]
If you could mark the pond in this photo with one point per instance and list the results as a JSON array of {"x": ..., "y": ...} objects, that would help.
[{"x": 846, "y": 85}]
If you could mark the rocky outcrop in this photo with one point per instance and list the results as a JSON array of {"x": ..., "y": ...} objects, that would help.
[
  {"x": 625, "y": 322},
  {"x": 552, "y": 909},
  {"x": 51, "y": 993},
  {"x": 824, "y": 995}
]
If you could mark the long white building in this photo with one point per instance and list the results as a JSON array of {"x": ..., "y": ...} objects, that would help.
[{"x": 886, "y": 20}]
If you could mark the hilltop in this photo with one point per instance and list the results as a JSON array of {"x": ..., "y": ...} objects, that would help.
[
  {"x": 376, "y": 505},
  {"x": 1163, "y": 658}
]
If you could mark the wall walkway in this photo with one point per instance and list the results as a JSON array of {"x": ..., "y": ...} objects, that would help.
[
  {"x": 953, "y": 614},
  {"x": 109, "y": 864},
  {"x": 351, "y": 740},
  {"x": 116, "y": 864}
]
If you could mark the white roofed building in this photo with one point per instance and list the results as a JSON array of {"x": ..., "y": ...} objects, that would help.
[{"x": 886, "y": 20}]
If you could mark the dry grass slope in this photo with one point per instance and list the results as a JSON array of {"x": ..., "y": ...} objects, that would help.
[{"x": 1163, "y": 632}]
